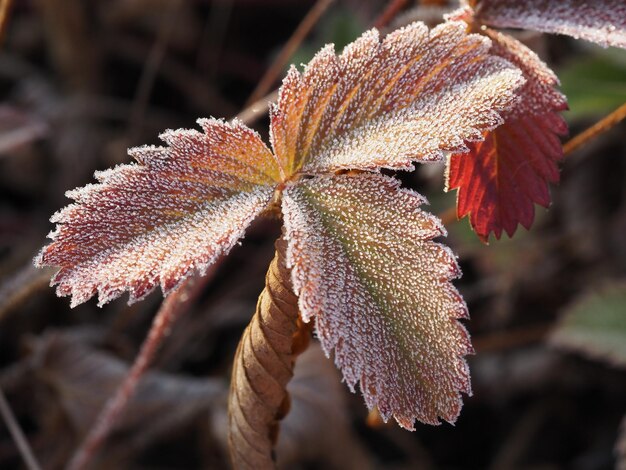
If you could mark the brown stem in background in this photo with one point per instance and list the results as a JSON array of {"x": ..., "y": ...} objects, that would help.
[
  {"x": 172, "y": 308},
  {"x": 515, "y": 338},
  {"x": 21, "y": 286},
  {"x": 262, "y": 368},
  {"x": 603, "y": 125},
  {"x": 67, "y": 28},
  {"x": 18, "y": 436},
  {"x": 149, "y": 73},
  {"x": 258, "y": 104},
  {"x": 448, "y": 216},
  {"x": 257, "y": 109},
  {"x": 303, "y": 29},
  {"x": 393, "y": 8},
  {"x": 5, "y": 10}
]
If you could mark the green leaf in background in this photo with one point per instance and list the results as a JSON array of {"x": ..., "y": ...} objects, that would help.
[
  {"x": 594, "y": 85},
  {"x": 596, "y": 325}
]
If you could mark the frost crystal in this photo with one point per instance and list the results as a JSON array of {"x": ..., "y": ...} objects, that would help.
[
  {"x": 365, "y": 267},
  {"x": 413, "y": 97},
  {"x": 600, "y": 21},
  {"x": 363, "y": 261},
  {"x": 157, "y": 221}
]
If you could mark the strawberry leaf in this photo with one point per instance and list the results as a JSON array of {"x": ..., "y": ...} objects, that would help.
[
  {"x": 599, "y": 21},
  {"x": 503, "y": 177},
  {"x": 157, "y": 221},
  {"x": 365, "y": 267},
  {"x": 412, "y": 97}
]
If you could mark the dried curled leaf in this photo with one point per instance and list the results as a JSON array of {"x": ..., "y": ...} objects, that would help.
[
  {"x": 412, "y": 97},
  {"x": 157, "y": 221},
  {"x": 599, "y": 21},
  {"x": 83, "y": 378},
  {"x": 263, "y": 366},
  {"x": 596, "y": 325},
  {"x": 502, "y": 178},
  {"x": 365, "y": 267}
]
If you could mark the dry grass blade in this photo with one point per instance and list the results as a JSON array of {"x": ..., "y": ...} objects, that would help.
[
  {"x": 21, "y": 285},
  {"x": 389, "y": 13},
  {"x": 603, "y": 125},
  {"x": 620, "y": 447},
  {"x": 172, "y": 308},
  {"x": 262, "y": 368},
  {"x": 17, "y": 434},
  {"x": 257, "y": 109},
  {"x": 149, "y": 73},
  {"x": 272, "y": 74}
]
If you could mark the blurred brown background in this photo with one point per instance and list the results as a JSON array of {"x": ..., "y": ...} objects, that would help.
[{"x": 82, "y": 80}]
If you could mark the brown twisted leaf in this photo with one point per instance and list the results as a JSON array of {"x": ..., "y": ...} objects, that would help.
[{"x": 262, "y": 368}]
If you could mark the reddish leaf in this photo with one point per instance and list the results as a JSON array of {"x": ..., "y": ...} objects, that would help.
[
  {"x": 365, "y": 267},
  {"x": 157, "y": 221},
  {"x": 600, "y": 21},
  {"x": 502, "y": 178},
  {"x": 413, "y": 97}
]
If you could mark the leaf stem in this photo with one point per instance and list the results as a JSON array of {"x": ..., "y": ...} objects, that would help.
[
  {"x": 603, "y": 125},
  {"x": 262, "y": 368}
]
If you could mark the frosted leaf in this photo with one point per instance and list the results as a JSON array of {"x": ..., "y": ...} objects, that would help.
[
  {"x": 366, "y": 269},
  {"x": 412, "y": 97},
  {"x": 501, "y": 179},
  {"x": 157, "y": 221},
  {"x": 599, "y": 21},
  {"x": 539, "y": 94}
]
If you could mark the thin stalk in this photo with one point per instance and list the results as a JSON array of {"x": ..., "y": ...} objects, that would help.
[
  {"x": 393, "y": 8},
  {"x": 603, "y": 125},
  {"x": 150, "y": 69},
  {"x": 18, "y": 436},
  {"x": 172, "y": 308},
  {"x": 301, "y": 32},
  {"x": 257, "y": 109},
  {"x": 5, "y": 10}
]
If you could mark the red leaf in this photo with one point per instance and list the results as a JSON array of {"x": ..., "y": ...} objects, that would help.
[
  {"x": 502, "y": 178},
  {"x": 157, "y": 221},
  {"x": 600, "y": 21}
]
